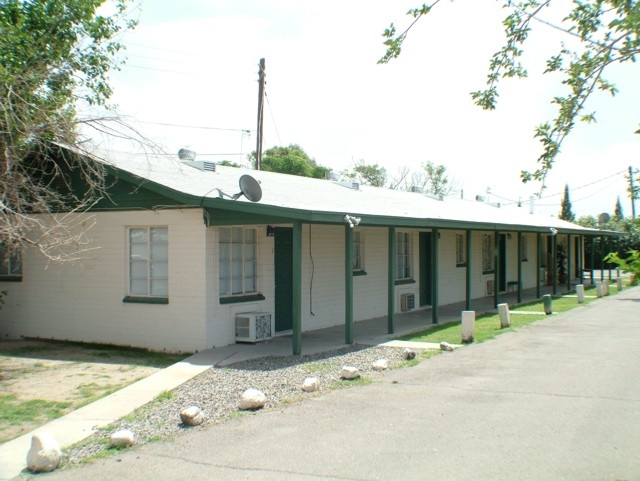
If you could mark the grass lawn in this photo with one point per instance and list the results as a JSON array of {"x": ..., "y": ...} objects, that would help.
[{"x": 487, "y": 326}]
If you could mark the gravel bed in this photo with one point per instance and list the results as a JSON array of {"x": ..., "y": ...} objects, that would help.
[{"x": 217, "y": 392}]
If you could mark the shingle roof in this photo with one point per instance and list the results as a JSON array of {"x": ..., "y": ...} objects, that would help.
[{"x": 306, "y": 198}]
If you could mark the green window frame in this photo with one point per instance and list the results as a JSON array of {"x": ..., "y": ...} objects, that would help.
[
  {"x": 238, "y": 261},
  {"x": 487, "y": 254},
  {"x": 358, "y": 252},
  {"x": 148, "y": 263},
  {"x": 10, "y": 263},
  {"x": 404, "y": 269},
  {"x": 461, "y": 253}
]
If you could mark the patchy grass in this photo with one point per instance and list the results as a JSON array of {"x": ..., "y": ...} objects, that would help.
[
  {"x": 487, "y": 326},
  {"x": 14, "y": 411},
  {"x": 81, "y": 352},
  {"x": 318, "y": 367}
]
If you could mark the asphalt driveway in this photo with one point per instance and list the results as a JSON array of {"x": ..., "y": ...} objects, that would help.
[{"x": 556, "y": 401}]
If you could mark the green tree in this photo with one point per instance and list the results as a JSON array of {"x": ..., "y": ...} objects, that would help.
[
  {"x": 56, "y": 56},
  {"x": 291, "y": 160},
  {"x": 565, "y": 207},
  {"x": 608, "y": 33},
  {"x": 369, "y": 174},
  {"x": 434, "y": 179},
  {"x": 617, "y": 212}
]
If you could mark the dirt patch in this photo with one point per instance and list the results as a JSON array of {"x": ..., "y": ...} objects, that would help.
[{"x": 40, "y": 381}]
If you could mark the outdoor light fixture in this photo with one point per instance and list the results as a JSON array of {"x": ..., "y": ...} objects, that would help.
[
  {"x": 553, "y": 231},
  {"x": 351, "y": 220}
]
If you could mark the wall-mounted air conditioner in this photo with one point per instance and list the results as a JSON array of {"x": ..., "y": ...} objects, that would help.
[
  {"x": 491, "y": 286},
  {"x": 254, "y": 326},
  {"x": 407, "y": 302}
]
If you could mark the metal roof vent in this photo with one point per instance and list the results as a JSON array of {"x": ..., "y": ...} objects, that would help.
[
  {"x": 201, "y": 165},
  {"x": 417, "y": 188}
]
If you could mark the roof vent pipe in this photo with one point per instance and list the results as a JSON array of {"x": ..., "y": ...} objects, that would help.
[{"x": 186, "y": 154}]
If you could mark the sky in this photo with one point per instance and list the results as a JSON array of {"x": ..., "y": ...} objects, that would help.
[{"x": 191, "y": 80}]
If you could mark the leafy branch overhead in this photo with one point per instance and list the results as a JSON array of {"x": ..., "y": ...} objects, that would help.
[
  {"x": 603, "y": 32},
  {"x": 55, "y": 57}
]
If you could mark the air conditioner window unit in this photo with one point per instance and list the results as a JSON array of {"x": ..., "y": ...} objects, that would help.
[
  {"x": 254, "y": 326},
  {"x": 407, "y": 302},
  {"x": 491, "y": 286}
]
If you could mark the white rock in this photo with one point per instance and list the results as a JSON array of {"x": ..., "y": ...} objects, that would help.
[
  {"x": 252, "y": 399},
  {"x": 409, "y": 354},
  {"x": 349, "y": 372},
  {"x": 45, "y": 453},
  {"x": 122, "y": 439},
  {"x": 380, "y": 365},
  {"x": 445, "y": 346},
  {"x": 192, "y": 416},
  {"x": 310, "y": 384}
]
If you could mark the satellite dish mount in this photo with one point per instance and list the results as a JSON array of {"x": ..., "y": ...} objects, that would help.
[{"x": 249, "y": 187}]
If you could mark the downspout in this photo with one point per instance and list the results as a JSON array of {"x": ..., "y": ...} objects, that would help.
[{"x": 468, "y": 273}]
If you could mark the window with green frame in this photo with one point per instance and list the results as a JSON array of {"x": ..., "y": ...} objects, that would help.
[
  {"x": 149, "y": 262},
  {"x": 10, "y": 263},
  {"x": 403, "y": 256},
  {"x": 487, "y": 253},
  {"x": 238, "y": 253},
  {"x": 358, "y": 252}
]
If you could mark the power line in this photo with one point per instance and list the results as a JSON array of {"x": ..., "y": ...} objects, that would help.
[{"x": 202, "y": 127}]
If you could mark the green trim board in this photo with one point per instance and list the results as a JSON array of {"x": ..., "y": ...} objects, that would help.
[
  {"x": 240, "y": 299},
  {"x": 146, "y": 300}
]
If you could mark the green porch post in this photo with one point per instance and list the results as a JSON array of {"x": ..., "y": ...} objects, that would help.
[
  {"x": 391, "y": 282},
  {"x": 519, "y": 267},
  {"x": 602, "y": 258},
  {"x": 538, "y": 263},
  {"x": 593, "y": 258},
  {"x": 435, "y": 234},
  {"x": 609, "y": 248},
  {"x": 568, "y": 262},
  {"x": 581, "y": 258},
  {"x": 296, "y": 307},
  {"x": 468, "y": 273},
  {"x": 496, "y": 267},
  {"x": 554, "y": 265},
  {"x": 348, "y": 284}
]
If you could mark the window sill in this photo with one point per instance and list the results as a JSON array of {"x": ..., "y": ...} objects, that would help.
[
  {"x": 239, "y": 299},
  {"x": 484, "y": 273},
  {"x": 146, "y": 300},
  {"x": 463, "y": 264},
  {"x": 359, "y": 273},
  {"x": 10, "y": 278},
  {"x": 401, "y": 282}
]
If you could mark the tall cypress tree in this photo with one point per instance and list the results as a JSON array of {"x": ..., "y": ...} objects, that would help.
[
  {"x": 617, "y": 213},
  {"x": 565, "y": 210}
]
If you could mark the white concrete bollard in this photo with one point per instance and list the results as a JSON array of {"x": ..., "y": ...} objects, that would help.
[
  {"x": 580, "y": 293},
  {"x": 505, "y": 317},
  {"x": 468, "y": 325},
  {"x": 605, "y": 287},
  {"x": 619, "y": 283},
  {"x": 599, "y": 290}
]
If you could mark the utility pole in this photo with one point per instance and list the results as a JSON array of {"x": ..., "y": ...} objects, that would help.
[
  {"x": 633, "y": 194},
  {"x": 261, "y": 81}
]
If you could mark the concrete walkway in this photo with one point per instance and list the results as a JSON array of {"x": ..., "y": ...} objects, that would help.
[
  {"x": 555, "y": 401},
  {"x": 81, "y": 423}
]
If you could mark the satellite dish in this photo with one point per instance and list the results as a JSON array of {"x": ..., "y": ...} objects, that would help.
[
  {"x": 603, "y": 218},
  {"x": 250, "y": 188}
]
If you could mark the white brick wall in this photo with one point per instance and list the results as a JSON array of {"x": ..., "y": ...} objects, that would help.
[{"x": 82, "y": 301}]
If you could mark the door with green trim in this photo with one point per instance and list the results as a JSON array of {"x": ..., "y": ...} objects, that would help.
[{"x": 283, "y": 259}]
